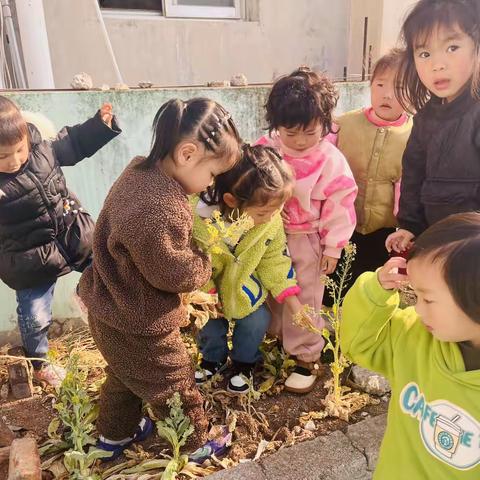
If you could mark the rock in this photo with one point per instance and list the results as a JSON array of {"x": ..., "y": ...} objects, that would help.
[
  {"x": 105, "y": 87},
  {"x": 239, "y": 80},
  {"x": 369, "y": 381},
  {"x": 145, "y": 84},
  {"x": 223, "y": 83},
  {"x": 82, "y": 81},
  {"x": 6, "y": 434},
  {"x": 24, "y": 460},
  {"x": 310, "y": 426},
  {"x": 19, "y": 375},
  {"x": 121, "y": 86}
]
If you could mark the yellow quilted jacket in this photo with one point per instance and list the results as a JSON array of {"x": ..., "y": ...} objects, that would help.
[{"x": 375, "y": 157}]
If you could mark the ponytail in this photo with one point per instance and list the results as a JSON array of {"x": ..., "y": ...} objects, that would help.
[{"x": 201, "y": 119}]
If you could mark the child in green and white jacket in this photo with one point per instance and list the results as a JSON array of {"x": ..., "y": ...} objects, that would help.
[
  {"x": 245, "y": 273},
  {"x": 430, "y": 353}
]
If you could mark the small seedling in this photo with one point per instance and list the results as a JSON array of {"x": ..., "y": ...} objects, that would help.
[
  {"x": 76, "y": 413},
  {"x": 175, "y": 429},
  {"x": 339, "y": 401}
]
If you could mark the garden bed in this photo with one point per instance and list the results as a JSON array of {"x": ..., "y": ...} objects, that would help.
[{"x": 261, "y": 423}]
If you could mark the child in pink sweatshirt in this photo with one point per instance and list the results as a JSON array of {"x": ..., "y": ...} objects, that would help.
[{"x": 320, "y": 217}]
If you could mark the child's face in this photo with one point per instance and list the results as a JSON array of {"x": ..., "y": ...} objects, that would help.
[
  {"x": 299, "y": 138},
  {"x": 445, "y": 61},
  {"x": 263, "y": 214},
  {"x": 200, "y": 169},
  {"x": 12, "y": 157},
  {"x": 436, "y": 306},
  {"x": 384, "y": 101}
]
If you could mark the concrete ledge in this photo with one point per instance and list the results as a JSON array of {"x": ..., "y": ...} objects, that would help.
[{"x": 337, "y": 456}]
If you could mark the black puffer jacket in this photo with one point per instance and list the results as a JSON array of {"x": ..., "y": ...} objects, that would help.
[
  {"x": 44, "y": 231},
  {"x": 441, "y": 164}
]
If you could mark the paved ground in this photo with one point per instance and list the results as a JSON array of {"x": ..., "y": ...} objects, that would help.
[{"x": 339, "y": 456}]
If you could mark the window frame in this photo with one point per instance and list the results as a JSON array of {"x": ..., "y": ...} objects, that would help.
[{"x": 172, "y": 10}]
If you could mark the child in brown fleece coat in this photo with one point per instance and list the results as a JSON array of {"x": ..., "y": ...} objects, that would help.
[{"x": 144, "y": 259}]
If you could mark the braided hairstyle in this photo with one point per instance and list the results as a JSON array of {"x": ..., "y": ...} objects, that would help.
[
  {"x": 199, "y": 119},
  {"x": 301, "y": 98},
  {"x": 259, "y": 176}
]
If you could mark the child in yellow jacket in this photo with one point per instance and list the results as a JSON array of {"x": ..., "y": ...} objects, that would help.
[
  {"x": 373, "y": 140},
  {"x": 245, "y": 273}
]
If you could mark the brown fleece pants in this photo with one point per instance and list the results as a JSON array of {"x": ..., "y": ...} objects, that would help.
[{"x": 144, "y": 368}]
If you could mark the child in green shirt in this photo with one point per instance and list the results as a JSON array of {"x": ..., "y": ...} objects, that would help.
[{"x": 430, "y": 353}]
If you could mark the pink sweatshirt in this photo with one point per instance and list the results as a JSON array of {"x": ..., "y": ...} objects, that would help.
[{"x": 324, "y": 193}]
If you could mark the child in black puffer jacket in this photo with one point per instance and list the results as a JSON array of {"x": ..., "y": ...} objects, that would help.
[{"x": 44, "y": 231}]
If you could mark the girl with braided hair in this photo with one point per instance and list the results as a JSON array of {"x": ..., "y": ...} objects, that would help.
[
  {"x": 320, "y": 217},
  {"x": 144, "y": 259},
  {"x": 246, "y": 270}
]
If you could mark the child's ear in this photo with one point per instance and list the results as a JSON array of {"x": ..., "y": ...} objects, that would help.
[
  {"x": 230, "y": 200},
  {"x": 185, "y": 153}
]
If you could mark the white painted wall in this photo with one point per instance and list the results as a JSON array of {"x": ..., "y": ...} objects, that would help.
[{"x": 170, "y": 51}]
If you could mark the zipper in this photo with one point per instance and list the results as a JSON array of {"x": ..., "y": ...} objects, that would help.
[{"x": 41, "y": 190}]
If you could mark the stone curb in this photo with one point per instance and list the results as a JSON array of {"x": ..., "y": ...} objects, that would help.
[{"x": 337, "y": 456}]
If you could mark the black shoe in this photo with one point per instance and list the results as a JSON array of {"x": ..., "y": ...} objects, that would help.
[
  {"x": 239, "y": 382},
  {"x": 207, "y": 371}
]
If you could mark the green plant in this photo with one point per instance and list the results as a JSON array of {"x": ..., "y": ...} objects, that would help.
[
  {"x": 175, "y": 429},
  {"x": 276, "y": 366},
  {"x": 76, "y": 413},
  {"x": 339, "y": 401}
]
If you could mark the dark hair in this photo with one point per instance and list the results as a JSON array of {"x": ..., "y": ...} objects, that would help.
[
  {"x": 300, "y": 98},
  {"x": 13, "y": 127},
  {"x": 258, "y": 177},
  {"x": 426, "y": 16},
  {"x": 455, "y": 242},
  {"x": 200, "y": 119},
  {"x": 390, "y": 61}
]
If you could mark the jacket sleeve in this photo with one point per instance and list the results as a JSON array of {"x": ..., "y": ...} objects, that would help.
[
  {"x": 73, "y": 144},
  {"x": 411, "y": 215},
  {"x": 275, "y": 270},
  {"x": 372, "y": 324},
  {"x": 337, "y": 190},
  {"x": 165, "y": 253}
]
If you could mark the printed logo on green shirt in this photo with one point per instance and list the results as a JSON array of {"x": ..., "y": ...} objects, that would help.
[{"x": 448, "y": 432}]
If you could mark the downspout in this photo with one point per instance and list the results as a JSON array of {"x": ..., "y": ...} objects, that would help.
[{"x": 107, "y": 41}]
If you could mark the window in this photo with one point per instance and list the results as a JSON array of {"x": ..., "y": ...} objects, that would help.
[
  {"x": 149, "y": 5},
  {"x": 203, "y": 8},
  {"x": 175, "y": 8}
]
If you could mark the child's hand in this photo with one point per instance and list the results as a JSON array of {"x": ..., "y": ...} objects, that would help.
[
  {"x": 285, "y": 216},
  {"x": 293, "y": 304},
  {"x": 328, "y": 265},
  {"x": 388, "y": 275},
  {"x": 106, "y": 114},
  {"x": 399, "y": 241}
]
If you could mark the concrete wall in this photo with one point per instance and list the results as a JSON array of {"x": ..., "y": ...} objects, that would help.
[
  {"x": 92, "y": 178},
  {"x": 385, "y": 18},
  {"x": 282, "y": 35},
  {"x": 394, "y": 12}
]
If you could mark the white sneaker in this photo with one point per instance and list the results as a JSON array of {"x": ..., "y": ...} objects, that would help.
[
  {"x": 301, "y": 380},
  {"x": 52, "y": 375}
]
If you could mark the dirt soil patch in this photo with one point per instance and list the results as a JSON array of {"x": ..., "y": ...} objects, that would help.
[{"x": 261, "y": 424}]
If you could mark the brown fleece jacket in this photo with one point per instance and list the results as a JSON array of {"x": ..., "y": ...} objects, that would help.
[{"x": 143, "y": 258}]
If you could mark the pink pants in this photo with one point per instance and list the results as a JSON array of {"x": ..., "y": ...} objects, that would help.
[{"x": 306, "y": 253}]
